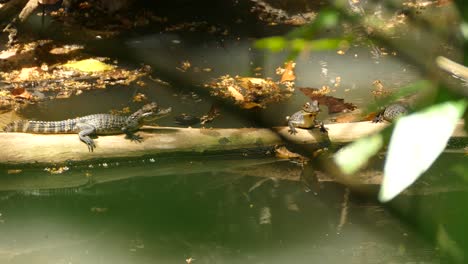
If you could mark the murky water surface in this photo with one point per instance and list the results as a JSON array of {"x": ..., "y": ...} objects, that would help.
[{"x": 209, "y": 213}]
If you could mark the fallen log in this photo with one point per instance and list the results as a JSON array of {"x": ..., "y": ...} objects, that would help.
[
  {"x": 23, "y": 148},
  {"x": 11, "y": 9}
]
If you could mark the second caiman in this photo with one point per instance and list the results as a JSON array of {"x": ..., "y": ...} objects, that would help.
[{"x": 97, "y": 124}]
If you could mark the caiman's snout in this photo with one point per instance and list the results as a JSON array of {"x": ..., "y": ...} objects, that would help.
[
  {"x": 157, "y": 113},
  {"x": 163, "y": 112}
]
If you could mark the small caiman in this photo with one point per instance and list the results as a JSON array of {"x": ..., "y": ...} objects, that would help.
[{"x": 97, "y": 124}]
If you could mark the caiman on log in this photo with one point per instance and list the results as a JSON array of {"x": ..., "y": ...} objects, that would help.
[{"x": 97, "y": 124}]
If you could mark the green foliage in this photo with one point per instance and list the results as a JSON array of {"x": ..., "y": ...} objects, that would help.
[
  {"x": 277, "y": 44},
  {"x": 351, "y": 158},
  {"x": 302, "y": 38}
]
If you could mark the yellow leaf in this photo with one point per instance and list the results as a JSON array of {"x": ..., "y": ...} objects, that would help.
[
  {"x": 89, "y": 65},
  {"x": 236, "y": 94}
]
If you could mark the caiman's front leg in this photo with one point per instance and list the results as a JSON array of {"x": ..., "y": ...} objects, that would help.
[
  {"x": 292, "y": 128},
  {"x": 320, "y": 125},
  {"x": 131, "y": 135},
  {"x": 85, "y": 131}
]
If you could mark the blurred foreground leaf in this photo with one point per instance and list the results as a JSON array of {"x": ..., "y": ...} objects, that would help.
[
  {"x": 277, "y": 44},
  {"x": 326, "y": 19},
  {"x": 274, "y": 44},
  {"x": 302, "y": 37},
  {"x": 416, "y": 142},
  {"x": 356, "y": 154}
]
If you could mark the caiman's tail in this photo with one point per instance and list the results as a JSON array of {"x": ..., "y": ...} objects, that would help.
[{"x": 41, "y": 127}]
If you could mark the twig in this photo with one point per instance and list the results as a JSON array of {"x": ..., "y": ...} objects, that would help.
[{"x": 344, "y": 211}]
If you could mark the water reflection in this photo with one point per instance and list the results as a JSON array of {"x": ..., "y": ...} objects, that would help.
[{"x": 213, "y": 215}]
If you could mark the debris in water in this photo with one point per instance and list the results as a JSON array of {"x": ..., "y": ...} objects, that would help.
[{"x": 335, "y": 105}]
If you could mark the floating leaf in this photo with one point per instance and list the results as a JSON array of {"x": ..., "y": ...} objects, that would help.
[
  {"x": 89, "y": 65},
  {"x": 5, "y": 54},
  {"x": 355, "y": 155},
  {"x": 416, "y": 142},
  {"x": 288, "y": 73},
  {"x": 335, "y": 105}
]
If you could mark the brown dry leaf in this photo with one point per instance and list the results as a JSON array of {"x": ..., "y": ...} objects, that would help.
[
  {"x": 17, "y": 91},
  {"x": 5, "y": 54},
  {"x": 58, "y": 170},
  {"x": 252, "y": 82},
  {"x": 25, "y": 95},
  {"x": 370, "y": 116},
  {"x": 184, "y": 66},
  {"x": 250, "y": 105},
  {"x": 249, "y": 92},
  {"x": 288, "y": 74},
  {"x": 12, "y": 171},
  {"x": 157, "y": 80},
  {"x": 47, "y": 2},
  {"x": 65, "y": 49},
  {"x": 21, "y": 93},
  {"x": 335, "y": 105},
  {"x": 283, "y": 153},
  {"x": 63, "y": 94},
  {"x": 379, "y": 90},
  {"x": 139, "y": 97},
  {"x": 211, "y": 115},
  {"x": 319, "y": 152},
  {"x": 337, "y": 81},
  {"x": 323, "y": 90},
  {"x": 348, "y": 117},
  {"x": 28, "y": 74},
  {"x": 235, "y": 94},
  {"x": 126, "y": 110},
  {"x": 85, "y": 5}
]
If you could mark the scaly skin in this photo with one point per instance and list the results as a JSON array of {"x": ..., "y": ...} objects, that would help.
[
  {"x": 97, "y": 124},
  {"x": 391, "y": 113},
  {"x": 306, "y": 118}
]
